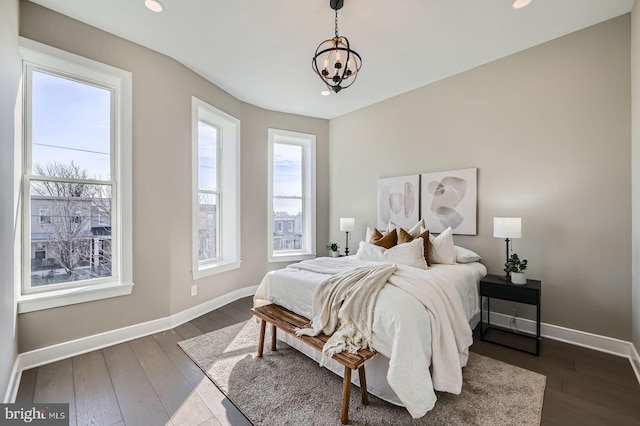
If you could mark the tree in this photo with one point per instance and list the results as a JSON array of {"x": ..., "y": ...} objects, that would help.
[{"x": 69, "y": 226}]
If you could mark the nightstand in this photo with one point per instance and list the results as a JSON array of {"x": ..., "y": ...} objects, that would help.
[{"x": 494, "y": 286}]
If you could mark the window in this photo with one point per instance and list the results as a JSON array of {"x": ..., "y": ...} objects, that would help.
[
  {"x": 76, "y": 152},
  {"x": 44, "y": 216},
  {"x": 291, "y": 195},
  {"x": 216, "y": 190}
]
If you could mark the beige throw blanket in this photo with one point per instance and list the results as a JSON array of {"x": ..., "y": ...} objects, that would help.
[{"x": 343, "y": 308}]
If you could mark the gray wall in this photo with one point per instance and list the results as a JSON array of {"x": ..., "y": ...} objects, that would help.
[
  {"x": 9, "y": 82},
  {"x": 162, "y": 90},
  {"x": 635, "y": 159},
  {"x": 549, "y": 131}
]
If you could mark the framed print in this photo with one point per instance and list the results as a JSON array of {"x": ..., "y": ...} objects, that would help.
[
  {"x": 398, "y": 201},
  {"x": 449, "y": 199}
]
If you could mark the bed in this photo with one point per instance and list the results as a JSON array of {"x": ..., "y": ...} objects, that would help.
[{"x": 403, "y": 329}]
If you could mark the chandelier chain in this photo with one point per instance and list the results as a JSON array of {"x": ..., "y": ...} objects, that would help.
[{"x": 336, "y": 22}]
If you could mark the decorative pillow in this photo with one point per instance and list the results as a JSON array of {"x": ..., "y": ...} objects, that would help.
[
  {"x": 405, "y": 237},
  {"x": 411, "y": 254},
  {"x": 369, "y": 233},
  {"x": 464, "y": 255},
  {"x": 414, "y": 231},
  {"x": 386, "y": 241},
  {"x": 442, "y": 249}
]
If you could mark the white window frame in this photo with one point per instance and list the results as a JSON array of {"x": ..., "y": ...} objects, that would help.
[
  {"x": 38, "y": 56},
  {"x": 228, "y": 188},
  {"x": 308, "y": 143}
]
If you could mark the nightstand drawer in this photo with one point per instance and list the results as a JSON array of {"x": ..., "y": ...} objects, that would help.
[{"x": 509, "y": 292}]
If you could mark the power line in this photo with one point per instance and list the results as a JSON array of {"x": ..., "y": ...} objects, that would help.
[{"x": 72, "y": 149}]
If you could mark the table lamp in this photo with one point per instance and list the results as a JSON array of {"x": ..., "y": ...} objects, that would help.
[
  {"x": 507, "y": 228},
  {"x": 346, "y": 225}
]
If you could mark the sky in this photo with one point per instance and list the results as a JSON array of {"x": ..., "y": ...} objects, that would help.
[
  {"x": 71, "y": 122},
  {"x": 287, "y": 177}
]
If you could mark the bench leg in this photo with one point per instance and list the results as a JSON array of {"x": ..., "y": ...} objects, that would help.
[
  {"x": 346, "y": 394},
  {"x": 363, "y": 386},
  {"x": 263, "y": 325},
  {"x": 273, "y": 337}
]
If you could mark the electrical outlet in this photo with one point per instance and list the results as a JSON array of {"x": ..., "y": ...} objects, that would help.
[{"x": 194, "y": 289}]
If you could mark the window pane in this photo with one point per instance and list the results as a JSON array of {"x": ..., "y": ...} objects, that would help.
[
  {"x": 207, "y": 156},
  {"x": 287, "y": 170},
  {"x": 71, "y": 125},
  {"x": 208, "y": 225},
  {"x": 70, "y": 232},
  {"x": 287, "y": 229}
]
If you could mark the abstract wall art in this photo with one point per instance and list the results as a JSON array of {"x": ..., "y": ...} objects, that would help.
[
  {"x": 449, "y": 199},
  {"x": 398, "y": 201}
]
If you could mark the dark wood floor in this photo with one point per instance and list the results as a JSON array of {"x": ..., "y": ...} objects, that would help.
[{"x": 150, "y": 381}]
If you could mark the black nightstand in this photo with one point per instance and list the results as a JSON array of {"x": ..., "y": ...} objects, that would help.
[{"x": 494, "y": 286}]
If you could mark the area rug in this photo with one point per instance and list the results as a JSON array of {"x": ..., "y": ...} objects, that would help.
[{"x": 287, "y": 388}]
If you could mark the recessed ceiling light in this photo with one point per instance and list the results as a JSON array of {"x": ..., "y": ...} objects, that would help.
[
  {"x": 154, "y": 5},
  {"x": 325, "y": 93},
  {"x": 519, "y": 4}
]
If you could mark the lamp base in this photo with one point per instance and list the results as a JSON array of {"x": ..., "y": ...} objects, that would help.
[{"x": 346, "y": 246}]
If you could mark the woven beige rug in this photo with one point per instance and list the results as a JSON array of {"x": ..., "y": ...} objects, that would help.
[{"x": 287, "y": 388}]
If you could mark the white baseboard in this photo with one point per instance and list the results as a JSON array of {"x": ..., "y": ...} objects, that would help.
[
  {"x": 574, "y": 337},
  {"x": 14, "y": 382},
  {"x": 196, "y": 311},
  {"x": 53, "y": 353},
  {"x": 635, "y": 361}
]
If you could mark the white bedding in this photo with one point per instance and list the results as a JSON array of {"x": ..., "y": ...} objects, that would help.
[{"x": 401, "y": 325}]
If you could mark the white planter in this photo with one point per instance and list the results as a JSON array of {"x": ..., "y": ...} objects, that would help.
[
  {"x": 518, "y": 278},
  {"x": 334, "y": 253}
]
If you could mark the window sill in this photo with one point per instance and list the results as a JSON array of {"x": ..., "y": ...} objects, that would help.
[
  {"x": 71, "y": 296},
  {"x": 291, "y": 257},
  {"x": 216, "y": 268}
]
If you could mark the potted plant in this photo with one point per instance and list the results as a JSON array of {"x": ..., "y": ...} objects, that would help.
[
  {"x": 333, "y": 249},
  {"x": 516, "y": 267}
]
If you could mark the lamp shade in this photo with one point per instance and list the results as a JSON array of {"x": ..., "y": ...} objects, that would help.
[
  {"x": 347, "y": 224},
  {"x": 507, "y": 227}
]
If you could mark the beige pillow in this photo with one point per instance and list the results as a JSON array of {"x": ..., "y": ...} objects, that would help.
[
  {"x": 410, "y": 254},
  {"x": 442, "y": 249},
  {"x": 386, "y": 241},
  {"x": 405, "y": 237}
]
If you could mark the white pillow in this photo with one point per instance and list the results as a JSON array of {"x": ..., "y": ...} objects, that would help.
[
  {"x": 464, "y": 255},
  {"x": 414, "y": 231},
  {"x": 442, "y": 249},
  {"x": 411, "y": 254}
]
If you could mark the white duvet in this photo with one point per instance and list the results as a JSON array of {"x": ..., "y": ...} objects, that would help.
[{"x": 420, "y": 320}]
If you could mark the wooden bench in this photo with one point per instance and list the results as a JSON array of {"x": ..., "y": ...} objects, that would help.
[{"x": 288, "y": 321}]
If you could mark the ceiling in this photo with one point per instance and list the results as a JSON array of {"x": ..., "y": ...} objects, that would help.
[{"x": 260, "y": 50}]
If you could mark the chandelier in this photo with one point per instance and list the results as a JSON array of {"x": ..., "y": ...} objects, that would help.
[{"x": 335, "y": 62}]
